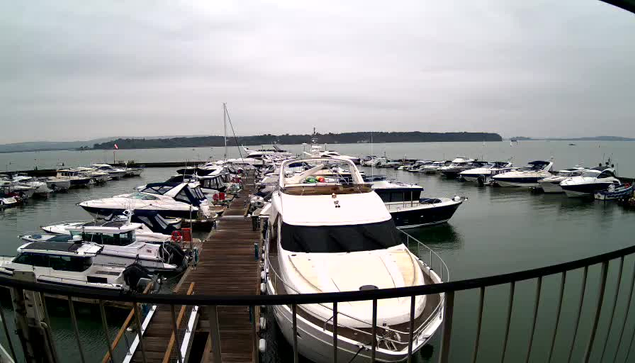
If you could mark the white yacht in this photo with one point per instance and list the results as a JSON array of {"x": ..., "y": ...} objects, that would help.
[
  {"x": 408, "y": 209},
  {"x": 170, "y": 200},
  {"x": 590, "y": 182},
  {"x": 331, "y": 234},
  {"x": 76, "y": 178},
  {"x": 58, "y": 184},
  {"x": 458, "y": 165},
  {"x": 98, "y": 176},
  {"x": 115, "y": 173},
  {"x": 121, "y": 246},
  {"x": 483, "y": 174},
  {"x": 551, "y": 184},
  {"x": 527, "y": 177},
  {"x": 41, "y": 189},
  {"x": 72, "y": 264},
  {"x": 434, "y": 167}
]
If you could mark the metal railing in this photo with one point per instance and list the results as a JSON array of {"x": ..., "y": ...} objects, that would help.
[{"x": 449, "y": 289}]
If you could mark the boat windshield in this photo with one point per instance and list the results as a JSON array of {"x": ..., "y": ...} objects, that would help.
[
  {"x": 143, "y": 196},
  {"x": 351, "y": 238},
  {"x": 591, "y": 174}
]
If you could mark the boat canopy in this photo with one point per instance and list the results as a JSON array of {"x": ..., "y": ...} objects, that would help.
[{"x": 182, "y": 192}]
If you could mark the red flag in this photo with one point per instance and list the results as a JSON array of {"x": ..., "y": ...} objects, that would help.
[{"x": 116, "y": 147}]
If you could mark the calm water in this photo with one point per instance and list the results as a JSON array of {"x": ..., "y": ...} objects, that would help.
[{"x": 496, "y": 231}]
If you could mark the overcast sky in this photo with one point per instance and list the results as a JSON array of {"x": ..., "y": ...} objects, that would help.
[{"x": 76, "y": 70}]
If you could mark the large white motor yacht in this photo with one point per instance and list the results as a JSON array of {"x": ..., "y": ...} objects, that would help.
[
  {"x": 330, "y": 234},
  {"x": 551, "y": 184},
  {"x": 527, "y": 176},
  {"x": 115, "y": 173},
  {"x": 590, "y": 182}
]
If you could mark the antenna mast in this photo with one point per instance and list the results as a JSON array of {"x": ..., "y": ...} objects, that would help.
[{"x": 225, "y": 128}]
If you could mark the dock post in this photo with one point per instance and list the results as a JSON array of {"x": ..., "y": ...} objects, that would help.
[{"x": 31, "y": 324}]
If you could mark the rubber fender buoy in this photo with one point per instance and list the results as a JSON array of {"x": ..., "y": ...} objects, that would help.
[
  {"x": 263, "y": 288},
  {"x": 263, "y": 323},
  {"x": 262, "y": 345}
]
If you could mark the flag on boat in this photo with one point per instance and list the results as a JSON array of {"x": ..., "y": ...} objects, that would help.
[{"x": 116, "y": 147}]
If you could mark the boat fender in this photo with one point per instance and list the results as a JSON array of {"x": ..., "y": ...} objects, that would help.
[
  {"x": 263, "y": 288},
  {"x": 262, "y": 345},
  {"x": 263, "y": 275},
  {"x": 263, "y": 323}
]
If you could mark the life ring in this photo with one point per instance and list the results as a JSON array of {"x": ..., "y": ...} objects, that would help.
[{"x": 177, "y": 236}]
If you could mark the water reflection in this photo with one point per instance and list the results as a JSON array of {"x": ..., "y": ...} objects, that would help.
[{"x": 440, "y": 237}]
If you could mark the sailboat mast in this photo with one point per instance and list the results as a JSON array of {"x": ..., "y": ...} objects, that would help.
[{"x": 225, "y": 128}]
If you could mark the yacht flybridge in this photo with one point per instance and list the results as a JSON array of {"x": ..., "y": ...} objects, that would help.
[{"x": 331, "y": 233}]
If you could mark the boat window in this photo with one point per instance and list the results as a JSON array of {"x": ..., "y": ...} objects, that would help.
[
  {"x": 67, "y": 263},
  {"x": 32, "y": 259},
  {"x": 591, "y": 174},
  {"x": 182, "y": 196},
  {"x": 353, "y": 238},
  {"x": 606, "y": 174},
  {"x": 143, "y": 196}
]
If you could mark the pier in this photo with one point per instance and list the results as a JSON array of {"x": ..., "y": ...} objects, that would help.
[{"x": 227, "y": 266}]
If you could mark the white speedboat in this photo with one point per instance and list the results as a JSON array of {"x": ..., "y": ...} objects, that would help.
[
  {"x": 551, "y": 184},
  {"x": 98, "y": 177},
  {"x": 75, "y": 177},
  {"x": 458, "y": 165},
  {"x": 408, "y": 209},
  {"x": 41, "y": 189},
  {"x": 72, "y": 264},
  {"x": 115, "y": 173},
  {"x": 328, "y": 234},
  {"x": 590, "y": 182},
  {"x": 434, "y": 167},
  {"x": 483, "y": 174},
  {"x": 170, "y": 200},
  {"x": 121, "y": 246},
  {"x": 526, "y": 177},
  {"x": 58, "y": 184}
]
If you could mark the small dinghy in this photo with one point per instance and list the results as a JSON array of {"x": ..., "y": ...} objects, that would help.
[{"x": 615, "y": 192}]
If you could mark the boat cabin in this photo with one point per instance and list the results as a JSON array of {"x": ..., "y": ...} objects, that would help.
[
  {"x": 75, "y": 257},
  {"x": 113, "y": 233},
  {"x": 190, "y": 193}
]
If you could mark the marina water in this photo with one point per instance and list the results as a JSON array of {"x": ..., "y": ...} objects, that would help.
[{"x": 497, "y": 230}]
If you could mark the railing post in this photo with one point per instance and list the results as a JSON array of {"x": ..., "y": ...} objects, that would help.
[
  {"x": 598, "y": 311},
  {"x": 175, "y": 330},
  {"x": 294, "y": 312},
  {"x": 533, "y": 325},
  {"x": 577, "y": 321},
  {"x": 512, "y": 289},
  {"x": 373, "y": 351},
  {"x": 628, "y": 309},
  {"x": 6, "y": 333},
  {"x": 76, "y": 329},
  {"x": 447, "y": 327},
  {"x": 411, "y": 326},
  {"x": 558, "y": 312},
  {"x": 104, "y": 323},
  {"x": 479, "y": 322},
  {"x": 214, "y": 333},
  {"x": 335, "y": 332},
  {"x": 137, "y": 315},
  {"x": 615, "y": 297}
]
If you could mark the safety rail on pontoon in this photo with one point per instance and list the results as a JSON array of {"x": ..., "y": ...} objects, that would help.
[{"x": 424, "y": 253}]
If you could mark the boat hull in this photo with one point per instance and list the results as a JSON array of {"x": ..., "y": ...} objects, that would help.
[
  {"x": 167, "y": 213},
  {"x": 531, "y": 182},
  {"x": 583, "y": 190},
  {"x": 422, "y": 214}
]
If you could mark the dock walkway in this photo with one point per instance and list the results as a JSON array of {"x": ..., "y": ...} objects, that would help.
[{"x": 227, "y": 266}]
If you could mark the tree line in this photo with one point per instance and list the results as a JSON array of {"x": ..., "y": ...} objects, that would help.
[{"x": 286, "y": 139}]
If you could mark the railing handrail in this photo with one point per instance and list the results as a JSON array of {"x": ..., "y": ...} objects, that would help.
[{"x": 242, "y": 300}]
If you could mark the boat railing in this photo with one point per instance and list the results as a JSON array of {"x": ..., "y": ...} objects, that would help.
[{"x": 586, "y": 304}]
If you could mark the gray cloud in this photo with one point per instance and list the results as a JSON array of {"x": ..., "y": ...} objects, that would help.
[{"x": 77, "y": 70}]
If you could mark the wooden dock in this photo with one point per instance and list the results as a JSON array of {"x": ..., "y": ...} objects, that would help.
[{"x": 227, "y": 266}]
